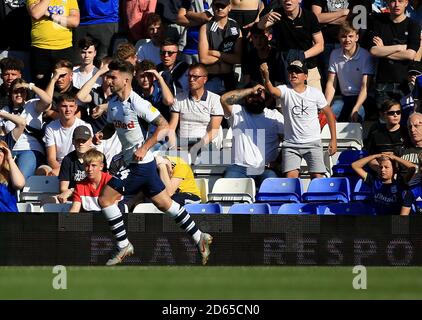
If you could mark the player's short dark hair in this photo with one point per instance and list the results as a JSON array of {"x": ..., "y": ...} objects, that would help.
[
  {"x": 144, "y": 65},
  {"x": 122, "y": 66},
  {"x": 63, "y": 63},
  {"x": 11, "y": 64},
  {"x": 66, "y": 96},
  {"x": 199, "y": 65},
  {"x": 387, "y": 104},
  {"x": 87, "y": 41}
]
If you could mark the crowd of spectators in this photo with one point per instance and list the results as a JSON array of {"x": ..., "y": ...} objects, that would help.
[{"x": 274, "y": 70}]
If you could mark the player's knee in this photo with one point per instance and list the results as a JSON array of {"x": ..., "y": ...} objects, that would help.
[{"x": 104, "y": 202}]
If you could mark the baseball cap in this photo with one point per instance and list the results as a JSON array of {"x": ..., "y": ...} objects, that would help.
[
  {"x": 297, "y": 65},
  {"x": 225, "y": 2},
  {"x": 415, "y": 67},
  {"x": 82, "y": 133}
]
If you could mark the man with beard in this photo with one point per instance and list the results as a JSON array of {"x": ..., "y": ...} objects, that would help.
[
  {"x": 257, "y": 133},
  {"x": 300, "y": 104}
]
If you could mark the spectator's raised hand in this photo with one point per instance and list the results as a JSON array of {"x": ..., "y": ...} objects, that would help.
[
  {"x": 97, "y": 138},
  {"x": 269, "y": 19},
  {"x": 154, "y": 73},
  {"x": 378, "y": 41}
]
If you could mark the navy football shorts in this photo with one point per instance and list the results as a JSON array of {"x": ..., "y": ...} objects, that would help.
[{"x": 138, "y": 177}]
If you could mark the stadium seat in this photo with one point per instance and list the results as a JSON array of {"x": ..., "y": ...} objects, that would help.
[
  {"x": 202, "y": 184},
  {"x": 360, "y": 190},
  {"x": 352, "y": 208},
  {"x": 233, "y": 190},
  {"x": 250, "y": 208},
  {"x": 39, "y": 187},
  {"x": 56, "y": 207},
  {"x": 198, "y": 208},
  {"x": 25, "y": 207},
  {"x": 146, "y": 208},
  {"x": 298, "y": 208},
  {"x": 328, "y": 190},
  {"x": 349, "y": 135},
  {"x": 343, "y": 166},
  {"x": 280, "y": 190}
]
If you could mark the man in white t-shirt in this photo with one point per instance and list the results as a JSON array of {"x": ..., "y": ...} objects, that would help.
[
  {"x": 88, "y": 51},
  {"x": 257, "y": 133},
  {"x": 300, "y": 105},
  {"x": 58, "y": 133}
]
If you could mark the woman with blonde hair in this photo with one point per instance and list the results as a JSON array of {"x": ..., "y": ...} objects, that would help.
[{"x": 11, "y": 180}]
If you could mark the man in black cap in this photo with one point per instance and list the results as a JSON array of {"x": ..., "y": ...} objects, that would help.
[
  {"x": 411, "y": 101},
  {"x": 300, "y": 105},
  {"x": 72, "y": 169}
]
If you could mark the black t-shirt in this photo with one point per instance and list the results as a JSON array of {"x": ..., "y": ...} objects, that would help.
[
  {"x": 168, "y": 10},
  {"x": 73, "y": 170},
  {"x": 15, "y": 26},
  {"x": 297, "y": 33},
  {"x": 330, "y": 31},
  {"x": 382, "y": 140},
  {"x": 223, "y": 40},
  {"x": 251, "y": 62},
  {"x": 406, "y": 32}
]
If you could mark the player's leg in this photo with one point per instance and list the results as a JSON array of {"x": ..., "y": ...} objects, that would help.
[
  {"x": 154, "y": 188},
  {"x": 108, "y": 202},
  {"x": 203, "y": 240}
]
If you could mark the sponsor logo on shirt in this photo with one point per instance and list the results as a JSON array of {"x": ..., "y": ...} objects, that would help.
[{"x": 122, "y": 125}]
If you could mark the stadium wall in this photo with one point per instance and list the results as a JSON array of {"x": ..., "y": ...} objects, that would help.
[{"x": 84, "y": 239}]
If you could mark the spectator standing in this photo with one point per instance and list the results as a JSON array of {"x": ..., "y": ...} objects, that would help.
[
  {"x": 353, "y": 68},
  {"x": 220, "y": 48},
  {"x": 300, "y": 105},
  {"x": 51, "y": 34},
  {"x": 137, "y": 13},
  {"x": 396, "y": 39},
  {"x": 11, "y": 69},
  {"x": 86, "y": 70},
  {"x": 100, "y": 20},
  {"x": 156, "y": 32},
  {"x": 297, "y": 36}
]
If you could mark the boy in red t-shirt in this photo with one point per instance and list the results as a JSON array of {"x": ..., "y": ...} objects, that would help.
[{"x": 87, "y": 191}]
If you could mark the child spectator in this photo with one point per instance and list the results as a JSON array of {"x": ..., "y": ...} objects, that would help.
[
  {"x": 386, "y": 192},
  {"x": 87, "y": 191}
]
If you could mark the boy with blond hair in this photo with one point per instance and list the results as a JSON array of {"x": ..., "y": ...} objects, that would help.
[{"x": 87, "y": 191}]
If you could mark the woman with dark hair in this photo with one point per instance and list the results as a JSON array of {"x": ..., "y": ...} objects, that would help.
[
  {"x": 29, "y": 148},
  {"x": 11, "y": 180},
  {"x": 387, "y": 194},
  {"x": 388, "y": 136}
]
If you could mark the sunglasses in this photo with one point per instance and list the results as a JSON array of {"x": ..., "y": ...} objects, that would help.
[
  {"x": 167, "y": 53},
  {"x": 20, "y": 90},
  {"x": 194, "y": 77},
  {"x": 219, "y": 6},
  {"x": 392, "y": 113}
]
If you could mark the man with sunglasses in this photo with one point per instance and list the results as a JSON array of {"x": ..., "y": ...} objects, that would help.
[
  {"x": 198, "y": 113},
  {"x": 173, "y": 71}
]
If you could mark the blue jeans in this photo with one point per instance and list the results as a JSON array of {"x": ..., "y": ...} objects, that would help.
[
  {"x": 236, "y": 171},
  {"x": 342, "y": 108},
  {"x": 28, "y": 161}
]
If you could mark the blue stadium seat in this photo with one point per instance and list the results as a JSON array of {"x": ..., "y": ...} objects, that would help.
[
  {"x": 250, "y": 208},
  {"x": 352, "y": 208},
  {"x": 343, "y": 166},
  {"x": 298, "y": 208},
  {"x": 328, "y": 190},
  {"x": 360, "y": 190},
  {"x": 279, "y": 190},
  {"x": 198, "y": 208}
]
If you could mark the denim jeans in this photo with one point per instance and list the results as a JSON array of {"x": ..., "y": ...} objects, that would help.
[
  {"x": 28, "y": 161},
  {"x": 342, "y": 108},
  {"x": 236, "y": 171}
]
